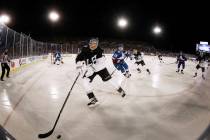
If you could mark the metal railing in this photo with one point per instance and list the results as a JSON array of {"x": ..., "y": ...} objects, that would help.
[{"x": 20, "y": 45}]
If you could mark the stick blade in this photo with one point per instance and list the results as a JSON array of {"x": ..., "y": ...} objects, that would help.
[{"x": 42, "y": 136}]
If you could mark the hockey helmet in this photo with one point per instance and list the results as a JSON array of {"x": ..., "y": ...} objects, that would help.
[
  {"x": 120, "y": 47},
  {"x": 93, "y": 43}
]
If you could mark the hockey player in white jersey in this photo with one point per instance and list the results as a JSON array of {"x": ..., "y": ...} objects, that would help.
[
  {"x": 160, "y": 57},
  {"x": 91, "y": 62},
  {"x": 201, "y": 64}
]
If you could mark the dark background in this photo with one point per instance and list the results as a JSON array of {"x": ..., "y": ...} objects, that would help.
[{"x": 184, "y": 23}]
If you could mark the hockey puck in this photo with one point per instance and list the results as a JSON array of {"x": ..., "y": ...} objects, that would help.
[{"x": 59, "y": 136}]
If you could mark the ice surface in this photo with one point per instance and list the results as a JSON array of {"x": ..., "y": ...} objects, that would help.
[{"x": 161, "y": 106}]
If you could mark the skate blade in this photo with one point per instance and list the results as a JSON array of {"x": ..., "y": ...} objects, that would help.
[{"x": 94, "y": 105}]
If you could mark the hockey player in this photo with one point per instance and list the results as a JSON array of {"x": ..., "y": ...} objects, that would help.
[
  {"x": 4, "y": 64},
  {"x": 138, "y": 56},
  {"x": 58, "y": 58},
  {"x": 128, "y": 54},
  {"x": 90, "y": 62},
  {"x": 201, "y": 64},
  {"x": 118, "y": 60},
  {"x": 160, "y": 57},
  {"x": 181, "y": 61}
]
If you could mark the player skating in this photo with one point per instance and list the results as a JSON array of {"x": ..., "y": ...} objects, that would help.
[
  {"x": 181, "y": 62},
  {"x": 160, "y": 57},
  {"x": 58, "y": 58},
  {"x": 128, "y": 54},
  {"x": 91, "y": 62},
  {"x": 201, "y": 64},
  {"x": 138, "y": 56},
  {"x": 118, "y": 60}
]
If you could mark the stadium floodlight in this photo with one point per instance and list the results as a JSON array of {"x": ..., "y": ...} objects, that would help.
[
  {"x": 5, "y": 19},
  {"x": 122, "y": 22},
  {"x": 53, "y": 16},
  {"x": 157, "y": 30}
]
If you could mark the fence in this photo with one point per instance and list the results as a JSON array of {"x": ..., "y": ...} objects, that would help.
[{"x": 20, "y": 45}]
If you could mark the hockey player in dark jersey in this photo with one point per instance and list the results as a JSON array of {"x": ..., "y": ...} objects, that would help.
[
  {"x": 118, "y": 60},
  {"x": 138, "y": 56},
  {"x": 58, "y": 58},
  {"x": 128, "y": 54},
  {"x": 201, "y": 64},
  {"x": 90, "y": 62},
  {"x": 181, "y": 61}
]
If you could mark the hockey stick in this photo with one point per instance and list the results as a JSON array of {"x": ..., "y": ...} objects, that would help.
[
  {"x": 41, "y": 136},
  {"x": 113, "y": 72}
]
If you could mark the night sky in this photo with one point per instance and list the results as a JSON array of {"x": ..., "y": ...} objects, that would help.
[{"x": 184, "y": 23}]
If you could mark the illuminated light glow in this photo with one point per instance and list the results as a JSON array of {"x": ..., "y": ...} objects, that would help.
[
  {"x": 157, "y": 30},
  {"x": 5, "y": 19},
  {"x": 54, "y": 16},
  {"x": 204, "y": 43},
  {"x": 122, "y": 22}
]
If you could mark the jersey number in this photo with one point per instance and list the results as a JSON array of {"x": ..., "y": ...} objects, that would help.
[{"x": 93, "y": 60}]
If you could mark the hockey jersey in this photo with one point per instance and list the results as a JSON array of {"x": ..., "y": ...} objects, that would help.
[
  {"x": 57, "y": 55},
  {"x": 118, "y": 57},
  {"x": 4, "y": 58},
  {"x": 95, "y": 58},
  {"x": 181, "y": 58},
  {"x": 201, "y": 60},
  {"x": 138, "y": 56}
]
